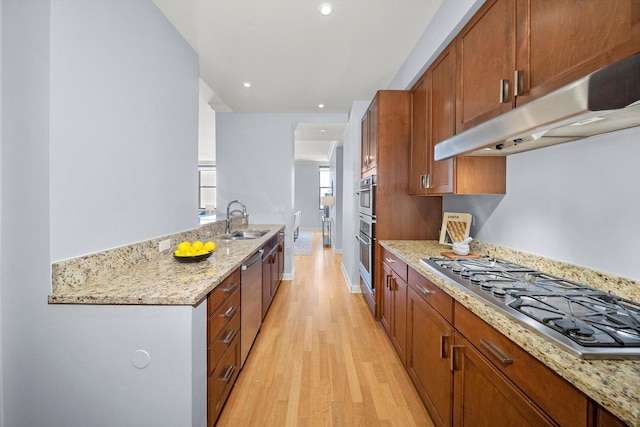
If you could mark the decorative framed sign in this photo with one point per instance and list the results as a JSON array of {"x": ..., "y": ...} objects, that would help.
[{"x": 455, "y": 227}]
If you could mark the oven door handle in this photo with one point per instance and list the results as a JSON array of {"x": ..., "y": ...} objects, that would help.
[{"x": 364, "y": 242}]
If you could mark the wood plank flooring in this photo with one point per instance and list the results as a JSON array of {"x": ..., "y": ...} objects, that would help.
[{"x": 321, "y": 359}]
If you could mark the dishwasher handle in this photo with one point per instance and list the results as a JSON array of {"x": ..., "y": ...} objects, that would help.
[{"x": 254, "y": 258}]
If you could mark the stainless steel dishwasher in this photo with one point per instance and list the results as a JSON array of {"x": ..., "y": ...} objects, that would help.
[{"x": 250, "y": 303}]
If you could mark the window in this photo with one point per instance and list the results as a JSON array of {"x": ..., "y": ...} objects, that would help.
[
  {"x": 207, "y": 183},
  {"x": 326, "y": 189}
]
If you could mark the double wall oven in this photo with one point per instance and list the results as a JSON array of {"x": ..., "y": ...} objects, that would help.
[{"x": 366, "y": 233}]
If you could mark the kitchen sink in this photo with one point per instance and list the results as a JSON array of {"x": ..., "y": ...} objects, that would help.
[{"x": 243, "y": 235}]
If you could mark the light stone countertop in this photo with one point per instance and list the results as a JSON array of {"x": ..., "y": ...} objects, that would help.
[
  {"x": 139, "y": 275},
  {"x": 614, "y": 384}
]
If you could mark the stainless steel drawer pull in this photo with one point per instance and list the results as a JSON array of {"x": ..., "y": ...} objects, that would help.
[
  {"x": 503, "y": 357},
  {"x": 229, "y": 337},
  {"x": 230, "y": 287},
  {"x": 230, "y": 312},
  {"x": 444, "y": 339},
  {"x": 454, "y": 351},
  {"x": 227, "y": 374},
  {"x": 389, "y": 260},
  {"x": 424, "y": 290},
  {"x": 504, "y": 91},
  {"x": 518, "y": 82}
]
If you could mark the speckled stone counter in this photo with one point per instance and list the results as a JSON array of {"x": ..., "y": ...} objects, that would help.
[
  {"x": 614, "y": 384},
  {"x": 139, "y": 274}
]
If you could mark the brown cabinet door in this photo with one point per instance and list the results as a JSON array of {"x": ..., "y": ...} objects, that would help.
[
  {"x": 364, "y": 149},
  {"x": 386, "y": 303},
  {"x": 561, "y": 41},
  {"x": 484, "y": 397},
  {"x": 486, "y": 63},
  {"x": 266, "y": 285},
  {"x": 373, "y": 135},
  {"x": 419, "y": 155},
  {"x": 429, "y": 338},
  {"x": 443, "y": 120},
  {"x": 399, "y": 319}
]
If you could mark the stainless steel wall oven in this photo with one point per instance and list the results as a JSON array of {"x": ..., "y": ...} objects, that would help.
[
  {"x": 366, "y": 233},
  {"x": 366, "y": 238}
]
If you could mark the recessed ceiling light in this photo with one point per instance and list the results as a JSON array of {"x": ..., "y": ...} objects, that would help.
[
  {"x": 246, "y": 84},
  {"x": 323, "y": 130},
  {"x": 325, "y": 9},
  {"x": 320, "y": 105}
]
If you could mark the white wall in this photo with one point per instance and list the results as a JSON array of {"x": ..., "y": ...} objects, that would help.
[
  {"x": 576, "y": 202},
  {"x": 99, "y": 106},
  {"x": 350, "y": 184},
  {"x": 124, "y": 126},
  {"x": 337, "y": 174},
  {"x": 206, "y": 126},
  {"x": 255, "y": 156},
  {"x": 307, "y": 184}
]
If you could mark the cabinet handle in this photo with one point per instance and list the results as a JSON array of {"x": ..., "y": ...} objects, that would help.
[
  {"x": 518, "y": 82},
  {"x": 454, "y": 358},
  {"x": 387, "y": 277},
  {"x": 504, "y": 91},
  {"x": 443, "y": 346},
  {"x": 427, "y": 181},
  {"x": 497, "y": 352},
  {"x": 227, "y": 374},
  {"x": 229, "y": 337},
  {"x": 230, "y": 288},
  {"x": 389, "y": 260},
  {"x": 423, "y": 181},
  {"x": 423, "y": 289},
  {"x": 230, "y": 312}
]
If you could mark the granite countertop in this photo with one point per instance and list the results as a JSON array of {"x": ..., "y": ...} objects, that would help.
[
  {"x": 142, "y": 276},
  {"x": 614, "y": 384}
]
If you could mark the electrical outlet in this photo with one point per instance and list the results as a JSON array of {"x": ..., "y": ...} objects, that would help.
[{"x": 164, "y": 245}]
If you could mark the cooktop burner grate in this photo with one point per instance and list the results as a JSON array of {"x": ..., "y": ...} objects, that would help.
[{"x": 587, "y": 322}]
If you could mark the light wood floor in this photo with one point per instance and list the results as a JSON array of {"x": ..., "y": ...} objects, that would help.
[{"x": 321, "y": 359}]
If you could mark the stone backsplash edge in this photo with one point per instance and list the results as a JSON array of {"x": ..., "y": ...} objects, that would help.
[
  {"x": 616, "y": 285},
  {"x": 77, "y": 271}
]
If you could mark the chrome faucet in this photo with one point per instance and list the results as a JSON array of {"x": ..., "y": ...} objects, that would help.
[{"x": 244, "y": 213}]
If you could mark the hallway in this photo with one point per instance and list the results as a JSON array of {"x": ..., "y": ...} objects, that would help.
[{"x": 321, "y": 359}]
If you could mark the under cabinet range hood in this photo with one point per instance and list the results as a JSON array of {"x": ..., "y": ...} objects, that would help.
[{"x": 604, "y": 101}]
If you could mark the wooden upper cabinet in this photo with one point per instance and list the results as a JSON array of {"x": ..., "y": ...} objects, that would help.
[
  {"x": 442, "y": 123},
  {"x": 419, "y": 161},
  {"x": 486, "y": 64},
  {"x": 370, "y": 139},
  {"x": 562, "y": 41},
  {"x": 433, "y": 121}
]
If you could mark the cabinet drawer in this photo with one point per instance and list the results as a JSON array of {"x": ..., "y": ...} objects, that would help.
[
  {"x": 559, "y": 399},
  {"x": 396, "y": 263},
  {"x": 224, "y": 340},
  {"x": 220, "y": 382},
  {"x": 222, "y": 291},
  {"x": 432, "y": 294},
  {"x": 219, "y": 318}
]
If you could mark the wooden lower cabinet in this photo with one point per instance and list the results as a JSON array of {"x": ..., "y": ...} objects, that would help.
[
  {"x": 484, "y": 397},
  {"x": 393, "y": 313},
  {"x": 468, "y": 373},
  {"x": 272, "y": 269},
  {"x": 223, "y": 343},
  {"x": 429, "y": 338}
]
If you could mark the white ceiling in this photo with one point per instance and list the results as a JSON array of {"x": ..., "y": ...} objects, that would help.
[{"x": 295, "y": 58}]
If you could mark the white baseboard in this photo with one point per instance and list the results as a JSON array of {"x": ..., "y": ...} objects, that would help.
[{"x": 352, "y": 289}]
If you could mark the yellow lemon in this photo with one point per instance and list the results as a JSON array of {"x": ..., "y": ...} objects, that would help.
[
  {"x": 184, "y": 247},
  {"x": 209, "y": 246},
  {"x": 197, "y": 245}
]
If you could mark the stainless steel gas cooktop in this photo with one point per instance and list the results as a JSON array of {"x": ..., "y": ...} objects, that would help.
[{"x": 586, "y": 322}]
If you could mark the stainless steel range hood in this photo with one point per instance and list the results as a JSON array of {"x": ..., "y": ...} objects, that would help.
[{"x": 604, "y": 101}]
